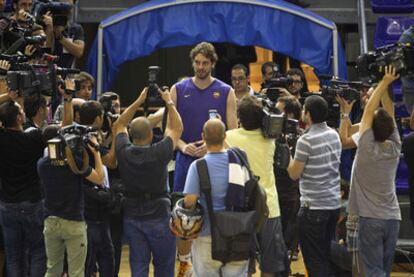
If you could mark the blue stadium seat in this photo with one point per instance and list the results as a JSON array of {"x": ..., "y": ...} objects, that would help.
[
  {"x": 390, "y": 28},
  {"x": 401, "y": 181},
  {"x": 392, "y": 6}
]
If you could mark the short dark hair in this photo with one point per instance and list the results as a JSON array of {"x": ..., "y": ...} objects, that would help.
[
  {"x": 296, "y": 71},
  {"x": 84, "y": 76},
  {"x": 89, "y": 111},
  {"x": 268, "y": 64},
  {"x": 250, "y": 112},
  {"x": 317, "y": 108},
  {"x": 206, "y": 49},
  {"x": 242, "y": 67},
  {"x": 292, "y": 105},
  {"x": 8, "y": 114},
  {"x": 382, "y": 125},
  {"x": 33, "y": 103}
]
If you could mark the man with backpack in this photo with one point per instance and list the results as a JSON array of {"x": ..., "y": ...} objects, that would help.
[
  {"x": 217, "y": 160},
  {"x": 260, "y": 150}
]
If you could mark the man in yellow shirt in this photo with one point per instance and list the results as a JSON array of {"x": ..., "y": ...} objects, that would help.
[{"x": 260, "y": 152}]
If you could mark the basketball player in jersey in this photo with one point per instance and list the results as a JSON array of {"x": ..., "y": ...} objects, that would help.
[{"x": 197, "y": 99}]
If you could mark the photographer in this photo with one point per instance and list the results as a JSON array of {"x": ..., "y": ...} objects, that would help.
[
  {"x": 316, "y": 163},
  {"x": 287, "y": 189},
  {"x": 298, "y": 85},
  {"x": 68, "y": 40},
  {"x": 65, "y": 228},
  {"x": 98, "y": 200},
  {"x": 269, "y": 71},
  {"x": 20, "y": 196},
  {"x": 260, "y": 151},
  {"x": 143, "y": 168},
  {"x": 86, "y": 83},
  {"x": 373, "y": 202}
]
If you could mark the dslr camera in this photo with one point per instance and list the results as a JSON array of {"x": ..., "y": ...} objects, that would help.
[
  {"x": 274, "y": 84},
  {"x": 153, "y": 97},
  {"x": 110, "y": 115}
]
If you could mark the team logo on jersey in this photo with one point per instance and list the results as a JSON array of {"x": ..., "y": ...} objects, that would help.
[{"x": 216, "y": 94}]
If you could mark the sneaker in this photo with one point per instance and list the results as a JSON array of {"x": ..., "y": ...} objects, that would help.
[{"x": 185, "y": 270}]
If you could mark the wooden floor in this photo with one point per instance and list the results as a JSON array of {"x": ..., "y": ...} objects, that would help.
[{"x": 296, "y": 267}]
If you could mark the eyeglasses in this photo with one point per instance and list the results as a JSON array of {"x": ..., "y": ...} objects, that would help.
[{"x": 238, "y": 79}]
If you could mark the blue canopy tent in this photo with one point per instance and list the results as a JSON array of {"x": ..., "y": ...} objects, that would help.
[{"x": 271, "y": 24}]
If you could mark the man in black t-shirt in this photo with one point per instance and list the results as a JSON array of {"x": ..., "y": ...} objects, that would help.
[
  {"x": 143, "y": 168},
  {"x": 20, "y": 196},
  {"x": 98, "y": 200},
  {"x": 65, "y": 228}
]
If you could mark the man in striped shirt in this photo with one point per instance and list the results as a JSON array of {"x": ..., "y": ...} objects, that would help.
[{"x": 316, "y": 163}]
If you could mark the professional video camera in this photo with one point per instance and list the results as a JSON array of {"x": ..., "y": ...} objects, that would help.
[
  {"x": 350, "y": 91},
  {"x": 275, "y": 84},
  {"x": 110, "y": 115},
  {"x": 276, "y": 124},
  {"x": 153, "y": 97},
  {"x": 370, "y": 66},
  {"x": 28, "y": 79},
  {"x": 60, "y": 11},
  {"x": 69, "y": 147}
]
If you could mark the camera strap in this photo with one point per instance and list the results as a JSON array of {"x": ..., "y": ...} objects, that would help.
[{"x": 72, "y": 163}]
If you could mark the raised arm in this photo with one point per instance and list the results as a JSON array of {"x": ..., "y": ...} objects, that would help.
[
  {"x": 122, "y": 122},
  {"x": 174, "y": 127},
  {"x": 345, "y": 123},
  {"x": 374, "y": 100}
]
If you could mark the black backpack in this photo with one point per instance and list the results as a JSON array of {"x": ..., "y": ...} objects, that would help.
[{"x": 233, "y": 232}]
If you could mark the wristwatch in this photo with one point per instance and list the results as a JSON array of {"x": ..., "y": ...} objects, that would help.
[{"x": 344, "y": 115}]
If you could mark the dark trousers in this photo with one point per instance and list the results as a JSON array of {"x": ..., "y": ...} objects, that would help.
[
  {"x": 116, "y": 222},
  {"x": 23, "y": 239},
  {"x": 316, "y": 231},
  {"x": 100, "y": 249},
  {"x": 288, "y": 213}
]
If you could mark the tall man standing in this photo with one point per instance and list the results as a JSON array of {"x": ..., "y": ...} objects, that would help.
[
  {"x": 197, "y": 99},
  {"x": 316, "y": 163}
]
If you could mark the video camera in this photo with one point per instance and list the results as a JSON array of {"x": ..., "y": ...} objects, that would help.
[
  {"x": 69, "y": 147},
  {"x": 274, "y": 84},
  {"x": 60, "y": 11},
  {"x": 28, "y": 79},
  {"x": 110, "y": 115},
  {"x": 400, "y": 56},
  {"x": 350, "y": 91},
  {"x": 276, "y": 125}
]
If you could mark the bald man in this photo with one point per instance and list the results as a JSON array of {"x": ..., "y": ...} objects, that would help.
[
  {"x": 217, "y": 159},
  {"x": 143, "y": 169}
]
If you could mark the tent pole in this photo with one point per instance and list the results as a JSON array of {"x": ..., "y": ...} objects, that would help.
[
  {"x": 335, "y": 52},
  {"x": 100, "y": 62}
]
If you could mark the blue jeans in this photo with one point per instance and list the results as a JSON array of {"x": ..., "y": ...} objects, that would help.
[
  {"x": 23, "y": 238},
  {"x": 377, "y": 241},
  {"x": 100, "y": 249},
  {"x": 146, "y": 238},
  {"x": 316, "y": 231}
]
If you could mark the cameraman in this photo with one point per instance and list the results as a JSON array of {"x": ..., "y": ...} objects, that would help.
[
  {"x": 316, "y": 163},
  {"x": 298, "y": 85},
  {"x": 68, "y": 40},
  {"x": 65, "y": 228},
  {"x": 147, "y": 206},
  {"x": 260, "y": 152},
  {"x": 269, "y": 71},
  {"x": 287, "y": 189},
  {"x": 98, "y": 200}
]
